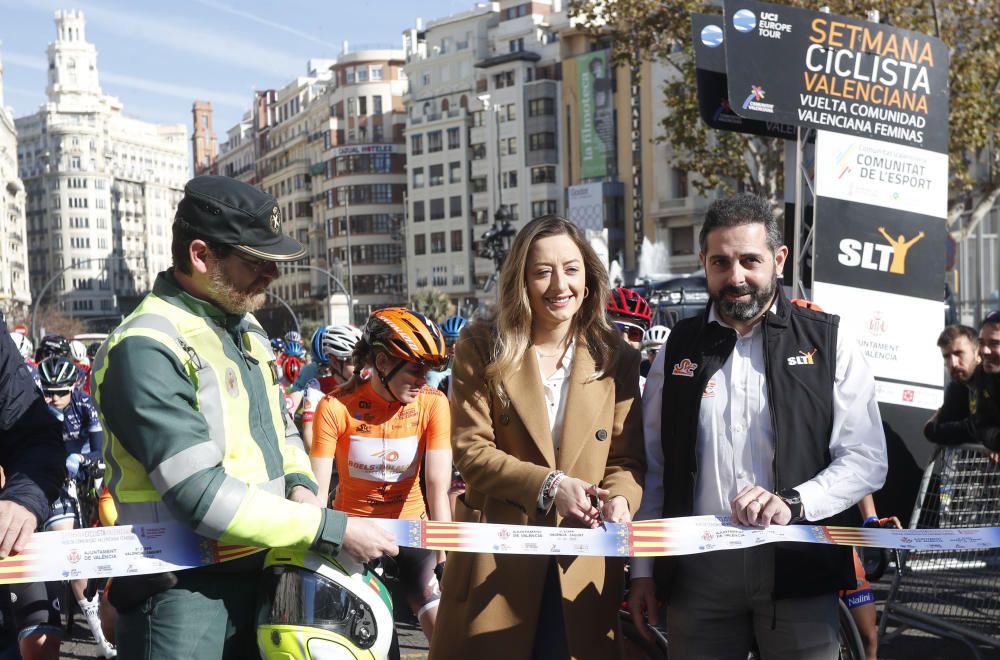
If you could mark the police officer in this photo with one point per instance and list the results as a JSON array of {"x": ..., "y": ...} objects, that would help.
[{"x": 197, "y": 430}]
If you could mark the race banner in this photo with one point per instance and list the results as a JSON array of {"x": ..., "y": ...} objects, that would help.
[
  {"x": 713, "y": 88},
  {"x": 808, "y": 68},
  {"x": 155, "y": 548}
]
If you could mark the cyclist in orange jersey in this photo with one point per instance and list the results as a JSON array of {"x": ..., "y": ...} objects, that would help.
[{"x": 382, "y": 431}]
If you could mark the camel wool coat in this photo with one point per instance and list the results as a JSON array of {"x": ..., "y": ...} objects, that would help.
[{"x": 490, "y": 603}]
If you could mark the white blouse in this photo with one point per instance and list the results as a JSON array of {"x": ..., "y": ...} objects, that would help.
[{"x": 555, "y": 388}]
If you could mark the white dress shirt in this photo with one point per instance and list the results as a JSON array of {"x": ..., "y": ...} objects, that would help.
[
  {"x": 555, "y": 387},
  {"x": 735, "y": 444}
]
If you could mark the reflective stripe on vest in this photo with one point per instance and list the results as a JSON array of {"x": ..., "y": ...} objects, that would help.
[{"x": 224, "y": 402}]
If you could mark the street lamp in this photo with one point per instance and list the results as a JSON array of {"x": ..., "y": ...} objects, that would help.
[{"x": 494, "y": 244}]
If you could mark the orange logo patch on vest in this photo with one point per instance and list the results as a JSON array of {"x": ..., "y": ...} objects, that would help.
[{"x": 685, "y": 368}]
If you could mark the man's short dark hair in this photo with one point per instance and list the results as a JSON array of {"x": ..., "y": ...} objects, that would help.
[
  {"x": 953, "y": 332},
  {"x": 741, "y": 209},
  {"x": 182, "y": 235},
  {"x": 993, "y": 318}
]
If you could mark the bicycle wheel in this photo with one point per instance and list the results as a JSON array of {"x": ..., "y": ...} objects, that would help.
[
  {"x": 636, "y": 646},
  {"x": 851, "y": 647}
]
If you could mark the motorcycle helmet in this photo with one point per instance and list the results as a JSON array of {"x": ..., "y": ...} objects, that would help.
[{"x": 313, "y": 607}]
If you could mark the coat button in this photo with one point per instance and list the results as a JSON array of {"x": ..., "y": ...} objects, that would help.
[
  {"x": 602, "y": 435},
  {"x": 505, "y": 419}
]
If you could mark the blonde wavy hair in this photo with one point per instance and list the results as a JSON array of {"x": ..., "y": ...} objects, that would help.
[{"x": 513, "y": 319}]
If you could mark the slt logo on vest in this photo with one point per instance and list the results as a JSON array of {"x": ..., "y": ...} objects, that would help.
[
  {"x": 804, "y": 357},
  {"x": 889, "y": 258},
  {"x": 685, "y": 368}
]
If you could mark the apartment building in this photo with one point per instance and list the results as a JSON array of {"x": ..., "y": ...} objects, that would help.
[
  {"x": 360, "y": 181},
  {"x": 482, "y": 136},
  {"x": 101, "y": 188},
  {"x": 15, "y": 294}
]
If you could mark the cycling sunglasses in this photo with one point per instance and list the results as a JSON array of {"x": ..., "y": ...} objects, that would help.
[
  {"x": 59, "y": 392},
  {"x": 633, "y": 332}
]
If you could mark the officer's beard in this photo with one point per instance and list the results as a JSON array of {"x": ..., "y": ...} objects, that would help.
[
  {"x": 225, "y": 294},
  {"x": 760, "y": 298}
]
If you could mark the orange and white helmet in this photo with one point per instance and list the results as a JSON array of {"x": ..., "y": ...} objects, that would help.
[{"x": 407, "y": 335}]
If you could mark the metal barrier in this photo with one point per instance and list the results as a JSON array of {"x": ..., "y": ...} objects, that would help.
[{"x": 951, "y": 593}]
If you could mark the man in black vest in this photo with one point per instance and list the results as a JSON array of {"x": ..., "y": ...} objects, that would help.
[
  {"x": 987, "y": 382},
  {"x": 952, "y": 424},
  {"x": 761, "y": 410}
]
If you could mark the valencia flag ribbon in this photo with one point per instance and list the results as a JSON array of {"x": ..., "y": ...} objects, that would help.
[{"x": 154, "y": 548}]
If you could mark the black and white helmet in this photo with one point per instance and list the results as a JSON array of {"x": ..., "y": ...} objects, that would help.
[
  {"x": 24, "y": 345},
  {"x": 338, "y": 341},
  {"x": 57, "y": 372},
  {"x": 655, "y": 337}
]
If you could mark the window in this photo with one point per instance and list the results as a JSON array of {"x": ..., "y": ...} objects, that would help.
[
  {"x": 378, "y": 72},
  {"x": 437, "y": 209},
  {"x": 455, "y": 206},
  {"x": 543, "y": 174},
  {"x": 434, "y": 141},
  {"x": 437, "y": 175},
  {"x": 680, "y": 182},
  {"x": 544, "y": 207},
  {"x": 376, "y": 105},
  {"x": 478, "y": 184},
  {"x": 480, "y": 216},
  {"x": 418, "y": 177},
  {"x": 350, "y": 106},
  {"x": 541, "y": 141},
  {"x": 349, "y": 74},
  {"x": 542, "y": 106},
  {"x": 509, "y": 179},
  {"x": 508, "y": 112},
  {"x": 454, "y": 138},
  {"x": 454, "y": 172},
  {"x": 504, "y": 79},
  {"x": 456, "y": 240},
  {"x": 417, "y": 144},
  {"x": 478, "y": 151},
  {"x": 681, "y": 241},
  {"x": 419, "y": 244},
  {"x": 516, "y": 45},
  {"x": 418, "y": 211},
  {"x": 362, "y": 74},
  {"x": 362, "y": 105},
  {"x": 437, "y": 242},
  {"x": 478, "y": 119},
  {"x": 508, "y": 146}
]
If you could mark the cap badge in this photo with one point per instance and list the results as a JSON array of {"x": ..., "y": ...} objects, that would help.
[{"x": 275, "y": 220}]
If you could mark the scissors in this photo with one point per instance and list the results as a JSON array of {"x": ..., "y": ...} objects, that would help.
[{"x": 595, "y": 501}]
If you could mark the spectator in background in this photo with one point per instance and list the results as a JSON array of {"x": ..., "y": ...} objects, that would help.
[
  {"x": 951, "y": 424},
  {"x": 987, "y": 416}
]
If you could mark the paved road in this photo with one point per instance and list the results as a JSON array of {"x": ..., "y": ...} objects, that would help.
[{"x": 413, "y": 645}]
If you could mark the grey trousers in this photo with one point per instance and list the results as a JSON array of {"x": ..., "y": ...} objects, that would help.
[{"x": 721, "y": 603}]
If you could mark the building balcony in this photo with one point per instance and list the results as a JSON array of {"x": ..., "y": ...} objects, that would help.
[{"x": 678, "y": 206}]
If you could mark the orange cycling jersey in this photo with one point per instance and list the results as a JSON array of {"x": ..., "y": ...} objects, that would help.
[{"x": 379, "y": 448}]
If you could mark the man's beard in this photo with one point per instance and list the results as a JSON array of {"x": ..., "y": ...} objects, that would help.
[
  {"x": 225, "y": 295},
  {"x": 760, "y": 298}
]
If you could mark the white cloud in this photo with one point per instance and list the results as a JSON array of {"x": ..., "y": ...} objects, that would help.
[
  {"x": 161, "y": 88},
  {"x": 263, "y": 21},
  {"x": 181, "y": 35}
]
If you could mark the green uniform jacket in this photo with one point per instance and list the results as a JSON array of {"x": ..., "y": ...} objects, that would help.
[{"x": 197, "y": 429}]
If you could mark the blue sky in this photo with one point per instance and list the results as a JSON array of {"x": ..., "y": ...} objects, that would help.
[{"x": 157, "y": 57}]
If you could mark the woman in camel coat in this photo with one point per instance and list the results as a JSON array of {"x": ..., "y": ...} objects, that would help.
[{"x": 545, "y": 416}]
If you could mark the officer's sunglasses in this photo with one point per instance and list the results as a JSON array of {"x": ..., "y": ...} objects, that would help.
[
  {"x": 633, "y": 332},
  {"x": 55, "y": 393},
  {"x": 254, "y": 264}
]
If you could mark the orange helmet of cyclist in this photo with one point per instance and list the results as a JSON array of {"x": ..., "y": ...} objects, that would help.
[
  {"x": 808, "y": 304},
  {"x": 407, "y": 335}
]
